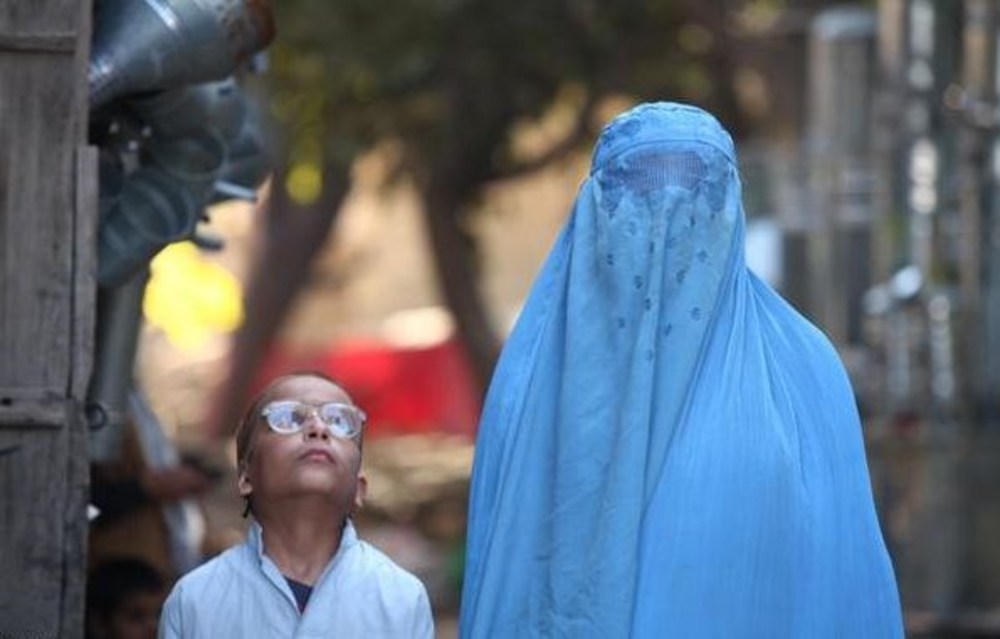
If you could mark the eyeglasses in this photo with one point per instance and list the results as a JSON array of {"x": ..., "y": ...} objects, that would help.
[{"x": 289, "y": 417}]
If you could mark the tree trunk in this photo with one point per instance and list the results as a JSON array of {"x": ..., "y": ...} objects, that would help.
[
  {"x": 457, "y": 274},
  {"x": 291, "y": 237}
]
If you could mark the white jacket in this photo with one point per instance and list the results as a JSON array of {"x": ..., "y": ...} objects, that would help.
[{"x": 241, "y": 595}]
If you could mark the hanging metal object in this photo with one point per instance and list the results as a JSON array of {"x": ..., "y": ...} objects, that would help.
[
  {"x": 150, "y": 45},
  {"x": 159, "y": 203}
]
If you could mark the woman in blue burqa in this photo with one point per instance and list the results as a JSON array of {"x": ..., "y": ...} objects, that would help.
[{"x": 668, "y": 449}]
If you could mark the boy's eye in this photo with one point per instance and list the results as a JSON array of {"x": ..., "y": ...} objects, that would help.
[{"x": 341, "y": 420}]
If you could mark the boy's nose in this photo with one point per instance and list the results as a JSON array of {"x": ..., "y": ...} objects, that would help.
[{"x": 316, "y": 428}]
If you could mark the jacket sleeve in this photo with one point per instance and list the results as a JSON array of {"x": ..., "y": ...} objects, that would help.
[
  {"x": 423, "y": 619},
  {"x": 170, "y": 616}
]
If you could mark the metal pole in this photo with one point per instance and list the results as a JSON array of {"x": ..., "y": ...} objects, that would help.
[{"x": 842, "y": 42}]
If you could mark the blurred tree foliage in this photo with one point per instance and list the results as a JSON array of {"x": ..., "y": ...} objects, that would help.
[{"x": 449, "y": 82}]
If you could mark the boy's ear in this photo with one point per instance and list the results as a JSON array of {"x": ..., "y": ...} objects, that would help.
[
  {"x": 361, "y": 492},
  {"x": 243, "y": 483}
]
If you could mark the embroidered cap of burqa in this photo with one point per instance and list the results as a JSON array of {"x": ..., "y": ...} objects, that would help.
[{"x": 667, "y": 448}]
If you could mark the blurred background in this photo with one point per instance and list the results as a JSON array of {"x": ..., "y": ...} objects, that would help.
[{"x": 392, "y": 174}]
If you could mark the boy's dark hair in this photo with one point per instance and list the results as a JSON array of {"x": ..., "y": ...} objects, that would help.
[{"x": 113, "y": 580}]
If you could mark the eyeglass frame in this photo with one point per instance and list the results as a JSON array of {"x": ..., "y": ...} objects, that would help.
[{"x": 315, "y": 412}]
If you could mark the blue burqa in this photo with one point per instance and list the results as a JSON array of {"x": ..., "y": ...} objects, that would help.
[{"x": 667, "y": 448}]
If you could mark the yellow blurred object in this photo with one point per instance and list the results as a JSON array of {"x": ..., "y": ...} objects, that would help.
[
  {"x": 304, "y": 183},
  {"x": 190, "y": 298}
]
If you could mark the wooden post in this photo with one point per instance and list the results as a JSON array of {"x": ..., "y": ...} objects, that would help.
[{"x": 48, "y": 207}]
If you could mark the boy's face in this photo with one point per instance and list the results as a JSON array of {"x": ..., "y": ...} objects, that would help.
[
  {"x": 136, "y": 618},
  {"x": 312, "y": 461}
]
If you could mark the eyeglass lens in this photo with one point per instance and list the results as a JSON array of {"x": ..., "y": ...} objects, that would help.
[{"x": 342, "y": 420}]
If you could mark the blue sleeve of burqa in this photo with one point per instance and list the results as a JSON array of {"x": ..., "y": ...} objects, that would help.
[{"x": 668, "y": 449}]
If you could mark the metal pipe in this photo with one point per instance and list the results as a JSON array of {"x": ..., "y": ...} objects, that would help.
[
  {"x": 119, "y": 318},
  {"x": 147, "y": 45},
  {"x": 159, "y": 203}
]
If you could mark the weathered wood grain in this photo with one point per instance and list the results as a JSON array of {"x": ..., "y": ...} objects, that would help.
[
  {"x": 38, "y": 165},
  {"x": 47, "y": 218}
]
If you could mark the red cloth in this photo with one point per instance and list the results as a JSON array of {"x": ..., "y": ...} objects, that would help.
[{"x": 403, "y": 390}]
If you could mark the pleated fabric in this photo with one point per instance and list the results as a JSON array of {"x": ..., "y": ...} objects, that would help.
[{"x": 667, "y": 448}]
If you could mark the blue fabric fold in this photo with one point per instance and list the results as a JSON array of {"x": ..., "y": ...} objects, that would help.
[{"x": 667, "y": 448}]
